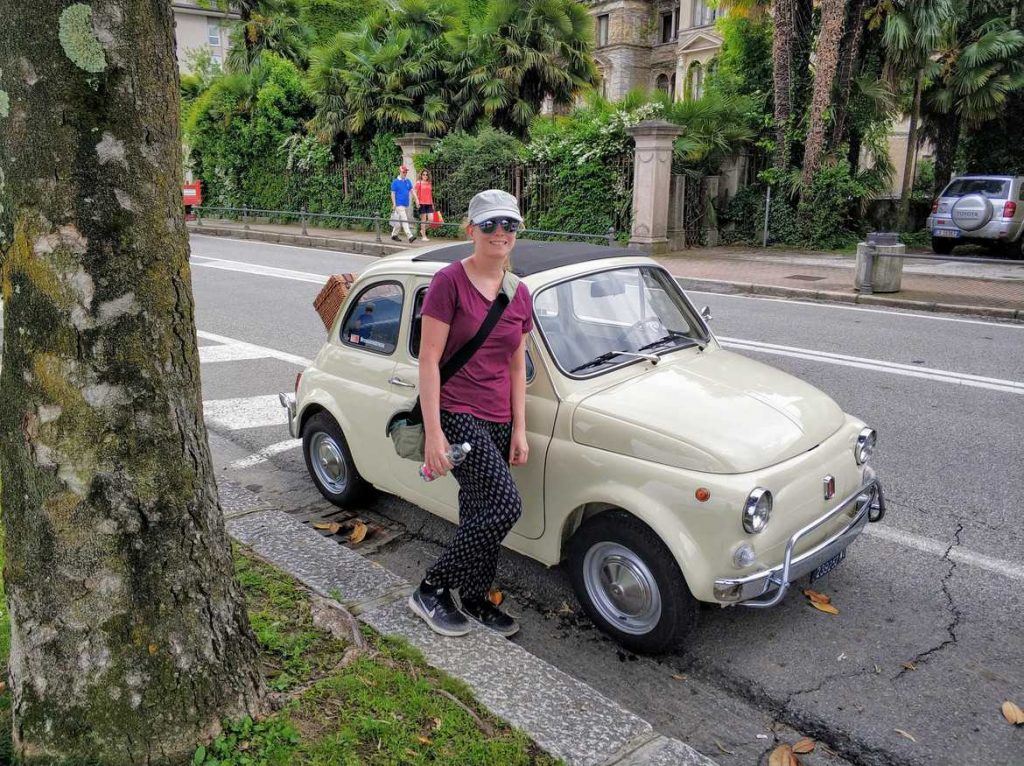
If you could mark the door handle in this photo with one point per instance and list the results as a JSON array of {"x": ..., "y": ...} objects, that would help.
[{"x": 397, "y": 381}]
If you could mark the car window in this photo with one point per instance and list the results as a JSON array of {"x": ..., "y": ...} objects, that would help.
[
  {"x": 374, "y": 318},
  {"x": 991, "y": 188}
]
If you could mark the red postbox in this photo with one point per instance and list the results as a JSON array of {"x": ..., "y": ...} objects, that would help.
[{"x": 191, "y": 196}]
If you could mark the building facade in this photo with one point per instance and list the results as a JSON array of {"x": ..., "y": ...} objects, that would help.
[{"x": 197, "y": 27}]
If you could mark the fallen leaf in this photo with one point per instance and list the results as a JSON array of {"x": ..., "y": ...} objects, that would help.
[
  {"x": 3, "y": 687},
  {"x": 910, "y": 666},
  {"x": 495, "y": 596},
  {"x": 565, "y": 608},
  {"x": 804, "y": 745},
  {"x": 330, "y": 526},
  {"x": 437, "y": 723},
  {"x": 152, "y": 648},
  {"x": 818, "y": 598},
  {"x": 783, "y": 756},
  {"x": 906, "y": 734},
  {"x": 424, "y": 740},
  {"x": 724, "y": 749},
  {"x": 824, "y": 606},
  {"x": 358, "y": 533},
  {"x": 679, "y": 677},
  {"x": 1011, "y": 712}
]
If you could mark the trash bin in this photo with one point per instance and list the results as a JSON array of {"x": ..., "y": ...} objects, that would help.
[{"x": 883, "y": 251}]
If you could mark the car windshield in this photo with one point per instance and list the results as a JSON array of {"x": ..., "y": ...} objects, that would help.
[
  {"x": 991, "y": 188},
  {"x": 602, "y": 320}
]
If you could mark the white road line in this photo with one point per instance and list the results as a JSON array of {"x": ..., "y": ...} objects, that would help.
[
  {"x": 231, "y": 352},
  {"x": 878, "y": 365},
  {"x": 957, "y": 554},
  {"x": 265, "y": 454},
  {"x": 253, "y": 268},
  {"x": 261, "y": 243},
  {"x": 245, "y": 412},
  {"x": 910, "y": 313},
  {"x": 284, "y": 356}
]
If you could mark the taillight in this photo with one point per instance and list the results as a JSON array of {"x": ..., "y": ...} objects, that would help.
[
  {"x": 1009, "y": 209},
  {"x": 935, "y": 206},
  {"x": 297, "y": 379}
]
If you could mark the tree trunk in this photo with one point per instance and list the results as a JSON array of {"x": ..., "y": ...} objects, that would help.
[
  {"x": 833, "y": 16},
  {"x": 782, "y": 77},
  {"x": 945, "y": 149},
  {"x": 908, "y": 166},
  {"x": 848, "y": 59},
  {"x": 129, "y": 638}
]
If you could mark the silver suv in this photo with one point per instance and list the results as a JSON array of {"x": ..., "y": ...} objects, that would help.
[{"x": 979, "y": 210}]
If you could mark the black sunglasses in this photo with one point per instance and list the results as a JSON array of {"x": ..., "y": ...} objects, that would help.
[{"x": 508, "y": 224}]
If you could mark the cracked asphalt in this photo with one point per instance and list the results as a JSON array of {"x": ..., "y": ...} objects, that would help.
[{"x": 928, "y": 641}]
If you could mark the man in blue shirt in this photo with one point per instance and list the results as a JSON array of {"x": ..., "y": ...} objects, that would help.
[{"x": 401, "y": 191}]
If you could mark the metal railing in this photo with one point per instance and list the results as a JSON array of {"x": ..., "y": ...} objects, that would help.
[
  {"x": 245, "y": 214},
  {"x": 867, "y": 288}
]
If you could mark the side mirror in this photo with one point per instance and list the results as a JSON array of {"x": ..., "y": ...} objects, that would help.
[{"x": 706, "y": 313}]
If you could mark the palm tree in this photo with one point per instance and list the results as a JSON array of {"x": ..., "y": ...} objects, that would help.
[
  {"x": 830, "y": 38},
  {"x": 522, "y": 52},
  {"x": 849, "y": 57},
  {"x": 266, "y": 25}
]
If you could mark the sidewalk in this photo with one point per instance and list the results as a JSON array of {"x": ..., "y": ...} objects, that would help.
[
  {"x": 991, "y": 290},
  {"x": 566, "y": 717}
]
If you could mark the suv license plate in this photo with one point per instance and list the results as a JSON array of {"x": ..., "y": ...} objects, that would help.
[
  {"x": 829, "y": 565},
  {"x": 951, "y": 233}
]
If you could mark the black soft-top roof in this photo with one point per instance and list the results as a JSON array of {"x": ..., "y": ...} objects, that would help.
[{"x": 534, "y": 257}]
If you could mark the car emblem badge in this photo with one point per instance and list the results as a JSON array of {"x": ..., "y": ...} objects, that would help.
[{"x": 830, "y": 487}]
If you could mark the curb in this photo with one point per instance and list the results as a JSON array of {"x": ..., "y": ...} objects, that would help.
[
  {"x": 566, "y": 717},
  {"x": 357, "y": 246},
  {"x": 832, "y": 296}
]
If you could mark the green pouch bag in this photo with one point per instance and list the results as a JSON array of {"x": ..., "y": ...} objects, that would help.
[{"x": 408, "y": 437}]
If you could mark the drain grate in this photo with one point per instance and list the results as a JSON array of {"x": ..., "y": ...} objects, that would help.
[
  {"x": 337, "y": 524},
  {"x": 805, "y": 277}
]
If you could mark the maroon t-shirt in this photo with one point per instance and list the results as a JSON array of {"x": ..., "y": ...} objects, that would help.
[{"x": 483, "y": 387}]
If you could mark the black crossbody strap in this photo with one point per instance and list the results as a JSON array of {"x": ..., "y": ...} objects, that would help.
[{"x": 464, "y": 354}]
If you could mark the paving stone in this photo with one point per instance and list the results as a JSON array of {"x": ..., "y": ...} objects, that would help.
[
  {"x": 320, "y": 563},
  {"x": 662, "y": 751},
  {"x": 236, "y": 500},
  {"x": 564, "y": 716}
]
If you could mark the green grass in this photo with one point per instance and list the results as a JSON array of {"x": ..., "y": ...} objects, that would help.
[{"x": 385, "y": 707}]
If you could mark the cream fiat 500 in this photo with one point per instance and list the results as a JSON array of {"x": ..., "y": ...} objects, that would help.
[{"x": 664, "y": 470}]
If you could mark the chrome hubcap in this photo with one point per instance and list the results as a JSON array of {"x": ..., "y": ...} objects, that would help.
[
  {"x": 622, "y": 588},
  {"x": 328, "y": 462}
]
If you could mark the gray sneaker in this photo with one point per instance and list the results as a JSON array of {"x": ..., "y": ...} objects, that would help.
[
  {"x": 488, "y": 615},
  {"x": 438, "y": 610}
]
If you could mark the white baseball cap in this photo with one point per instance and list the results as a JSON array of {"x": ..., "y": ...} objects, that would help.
[{"x": 493, "y": 203}]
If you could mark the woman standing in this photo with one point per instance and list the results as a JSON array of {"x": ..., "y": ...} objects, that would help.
[
  {"x": 484, "y": 404},
  {"x": 425, "y": 196}
]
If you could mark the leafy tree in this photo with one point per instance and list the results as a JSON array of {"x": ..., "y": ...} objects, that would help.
[
  {"x": 996, "y": 147},
  {"x": 830, "y": 40},
  {"x": 326, "y": 18},
  {"x": 271, "y": 26}
]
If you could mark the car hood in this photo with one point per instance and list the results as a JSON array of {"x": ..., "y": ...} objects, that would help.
[{"x": 715, "y": 411}]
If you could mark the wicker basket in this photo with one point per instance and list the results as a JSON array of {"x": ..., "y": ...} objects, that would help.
[{"x": 329, "y": 300}]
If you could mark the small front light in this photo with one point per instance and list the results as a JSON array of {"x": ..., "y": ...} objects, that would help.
[
  {"x": 757, "y": 510},
  {"x": 743, "y": 556},
  {"x": 866, "y": 441}
]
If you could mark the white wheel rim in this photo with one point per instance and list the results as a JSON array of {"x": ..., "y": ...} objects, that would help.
[
  {"x": 622, "y": 588},
  {"x": 328, "y": 462}
]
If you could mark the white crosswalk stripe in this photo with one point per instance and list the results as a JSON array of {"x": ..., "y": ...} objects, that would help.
[
  {"x": 231, "y": 352},
  {"x": 245, "y": 412},
  {"x": 265, "y": 454}
]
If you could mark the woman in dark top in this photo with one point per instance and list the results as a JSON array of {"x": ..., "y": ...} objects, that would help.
[{"x": 484, "y": 404}]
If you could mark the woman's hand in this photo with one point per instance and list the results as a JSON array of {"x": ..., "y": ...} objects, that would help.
[
  {"x": 435, "y": 454},
  {"x": 519, "y": 450}
]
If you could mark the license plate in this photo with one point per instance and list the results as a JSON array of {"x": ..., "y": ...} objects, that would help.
[
  {"x": 828, "y": 566},
  {"x": 950, "y": 233}
]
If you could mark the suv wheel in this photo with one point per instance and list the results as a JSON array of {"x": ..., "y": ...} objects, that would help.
[
  {"x": 629, "y": 583},
  {"x": 943, "y": 245},
  {"x": 329, "y": 461}
]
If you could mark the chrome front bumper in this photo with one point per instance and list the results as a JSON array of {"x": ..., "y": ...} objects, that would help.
[
  {"x": 288, "y": 402},
  {"x": 767, "y": 588}
]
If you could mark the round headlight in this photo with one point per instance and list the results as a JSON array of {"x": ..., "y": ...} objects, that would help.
[
  {"x": 866, "y": 441},
  {"x": 757, "y": 510}
]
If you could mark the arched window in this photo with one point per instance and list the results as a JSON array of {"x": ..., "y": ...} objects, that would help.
[
  {"x": 695, "y": 81},
  {"x": 662, "y": 82}
]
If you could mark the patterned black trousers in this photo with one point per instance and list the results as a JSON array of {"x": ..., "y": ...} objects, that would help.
[{"x": 489, "y": 505}]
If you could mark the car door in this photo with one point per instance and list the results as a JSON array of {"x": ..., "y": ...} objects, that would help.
[
  {"x": 359, "y": 363},
  {"x": 441, "y": 496}
]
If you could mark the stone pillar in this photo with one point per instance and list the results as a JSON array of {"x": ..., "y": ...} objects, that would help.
[
  {"x": 652, "y": 176},
  {"x": 413, "y": 145}
]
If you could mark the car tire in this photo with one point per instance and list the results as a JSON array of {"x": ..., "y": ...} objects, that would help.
[
  {"x": 943, "y": 245},
  {"x": 616, "y": 540},
  {"x": 329, "y": 462}
]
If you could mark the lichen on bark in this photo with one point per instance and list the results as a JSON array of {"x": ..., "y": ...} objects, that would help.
[{"x": 78, "y": 39}]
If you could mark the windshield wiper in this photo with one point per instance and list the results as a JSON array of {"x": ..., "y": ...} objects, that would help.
[
  {"x": 672, "y": 335},
  {"x": 608, "y": 355}
]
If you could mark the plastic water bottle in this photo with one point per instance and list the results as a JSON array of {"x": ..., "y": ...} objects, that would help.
[{"x": 455, "y": 454}]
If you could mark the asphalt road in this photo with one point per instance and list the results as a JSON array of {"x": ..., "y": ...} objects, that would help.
[{"x": 928, "y": 641}]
